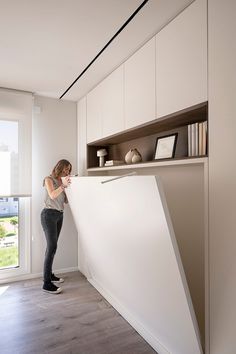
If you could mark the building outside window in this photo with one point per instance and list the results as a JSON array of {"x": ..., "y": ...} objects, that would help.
[{"x": 9, "y": 252}]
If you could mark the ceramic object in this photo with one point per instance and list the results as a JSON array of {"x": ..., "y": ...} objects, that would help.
[
  {"x": 133, "y": 156},
  {"x": 136, "y": 157},
  {"x": 128, "y": 157}
]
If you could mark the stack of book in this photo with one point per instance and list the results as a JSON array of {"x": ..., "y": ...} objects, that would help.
[
  {"x": 114, "y": 162},
  {"x": 197, "y": 139}
]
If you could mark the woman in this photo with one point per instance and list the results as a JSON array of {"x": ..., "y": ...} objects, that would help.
[{"x": 52, "y": 218}]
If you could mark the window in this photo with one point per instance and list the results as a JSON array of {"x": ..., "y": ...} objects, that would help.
[
  {"x": 15, "y": 238},
  {"x": 15, "y": 182},
  {"x": 8, "y": 156},
  {"x": 9, "y": 221},
  {"x": 15, "y": 143}
]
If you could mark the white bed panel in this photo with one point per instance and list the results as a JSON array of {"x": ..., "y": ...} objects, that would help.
[{"x": 132, "y": 257}]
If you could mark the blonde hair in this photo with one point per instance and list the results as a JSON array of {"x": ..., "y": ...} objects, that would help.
[{"x": 57, "y": 170}]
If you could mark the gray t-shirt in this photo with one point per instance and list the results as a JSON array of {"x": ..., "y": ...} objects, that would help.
[{"x": 57, "y": 203}]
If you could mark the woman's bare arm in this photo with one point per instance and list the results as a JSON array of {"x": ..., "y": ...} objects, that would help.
[{"x": 53, "y": 193}]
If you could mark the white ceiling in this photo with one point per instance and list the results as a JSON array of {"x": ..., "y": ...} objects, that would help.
[{"x": 46, "y": 44}]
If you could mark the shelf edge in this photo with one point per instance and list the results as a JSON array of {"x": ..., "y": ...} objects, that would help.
[{"x": 194, "y": 161}]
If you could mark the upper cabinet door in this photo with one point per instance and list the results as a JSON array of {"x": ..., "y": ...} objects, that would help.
[
  {"x": 113, "y": 103},
  {"x": 94, "y": 114},
  {"x": 140, "y": 86},
  {"x": 81, "y": 134},
  {"x": 181, "y": 60}
]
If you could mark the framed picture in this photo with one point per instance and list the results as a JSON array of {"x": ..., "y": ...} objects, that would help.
[{"x": 165, "y": 146}]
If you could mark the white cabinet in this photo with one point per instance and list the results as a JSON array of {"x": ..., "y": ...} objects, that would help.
[
  {"x": 166, "y": 75},
  {"x": 94, "y": 114},
  {"x": 105, "y": 107},
  {"x": 113, "y": 103},
  {"x": 181, "y": 60},
  {"x": 140, "y": 86},
  {"x": 81, "y": 134}
]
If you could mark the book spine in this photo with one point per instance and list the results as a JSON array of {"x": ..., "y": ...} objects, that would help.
[
  {"x": 200, "y": 127},
  {"x": 204, "y": 138},
  {"x": 193, "y": 145},
  {"x": 196, "y": 140},
  {"x": 189, "y": 140}
]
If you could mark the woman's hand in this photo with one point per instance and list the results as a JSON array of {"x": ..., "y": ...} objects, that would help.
[{"x": 66, "y": 181}]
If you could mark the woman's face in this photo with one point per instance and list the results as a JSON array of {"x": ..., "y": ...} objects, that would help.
[{"x": 65, "y": 171}]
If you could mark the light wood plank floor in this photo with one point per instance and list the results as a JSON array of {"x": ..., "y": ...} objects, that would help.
[{"x": 77, "y": 321}]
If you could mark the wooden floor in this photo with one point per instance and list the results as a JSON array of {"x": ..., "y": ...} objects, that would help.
[{"x": 77, "y": 321}]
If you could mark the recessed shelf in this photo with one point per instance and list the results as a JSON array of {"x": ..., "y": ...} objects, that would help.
[
  {"x": 144, "y": 138},
  {"x": 149, "y": 164}
]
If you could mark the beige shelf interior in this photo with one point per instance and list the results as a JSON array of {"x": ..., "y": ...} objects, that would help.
[{"x": 144, "y": 139}]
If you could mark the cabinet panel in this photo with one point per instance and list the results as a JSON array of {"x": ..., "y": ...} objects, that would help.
[
  {"x": 81, "y": 133},
  {"x": 94, "y": 114},
  {"x": 113, "y": 103},
  {"x": 181, "y": 60},
  {"x": 140, "y": 86}
]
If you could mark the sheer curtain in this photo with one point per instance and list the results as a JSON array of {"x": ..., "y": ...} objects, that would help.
[{"x": 15, "y": 142}]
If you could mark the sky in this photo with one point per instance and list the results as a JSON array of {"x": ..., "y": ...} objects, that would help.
[{"x": 9, "y": 134}]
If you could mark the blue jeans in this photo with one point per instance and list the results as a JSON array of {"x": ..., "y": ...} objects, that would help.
[{"x": 51, "y": 221}]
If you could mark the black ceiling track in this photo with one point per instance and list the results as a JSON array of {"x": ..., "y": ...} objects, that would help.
[{"x": 102, "y": 50}]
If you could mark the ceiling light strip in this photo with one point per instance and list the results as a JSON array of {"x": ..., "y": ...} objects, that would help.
[{"x": 115, "y": 35}]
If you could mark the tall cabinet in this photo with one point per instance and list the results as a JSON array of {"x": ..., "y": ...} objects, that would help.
[
  {"x": 161, "y": 89},
  {"x": 222, "y": 175}
]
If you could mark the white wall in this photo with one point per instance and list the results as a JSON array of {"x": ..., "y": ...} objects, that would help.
[
  {"x": 54, "y": 138},
  {"x": 222, "y": 175}
]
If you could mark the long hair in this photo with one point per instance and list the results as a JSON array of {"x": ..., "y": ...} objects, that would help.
[{"x": 57, "y": 170}]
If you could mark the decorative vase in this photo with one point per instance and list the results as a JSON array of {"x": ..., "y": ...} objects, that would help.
[
  {"x": 128, "y": 157},
  {"x": 136, "y": 157},
  {"x": 133, "y": 156}
]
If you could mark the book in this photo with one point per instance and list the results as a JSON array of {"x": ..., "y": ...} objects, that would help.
[
  {"x": 200, "y": 144},
  {"x": 204, "y": 138},
  {"x": 193, "y": 139},
  {"x": 196, "y": 139},
  {"x": 189, "y": 140},
  {"x": 114, "y": 162}
]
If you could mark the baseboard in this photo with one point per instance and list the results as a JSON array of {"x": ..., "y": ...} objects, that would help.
[
  {"x": 29, "y": 276},
  {"x": 67, "y": 270},
  {"x": 130, "y": 318}
]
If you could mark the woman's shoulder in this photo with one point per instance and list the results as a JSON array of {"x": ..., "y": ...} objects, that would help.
[{"x": 48, "y": 178}]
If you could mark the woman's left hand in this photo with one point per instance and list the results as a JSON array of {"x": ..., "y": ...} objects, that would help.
[{"x": 66, "y": 181}]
